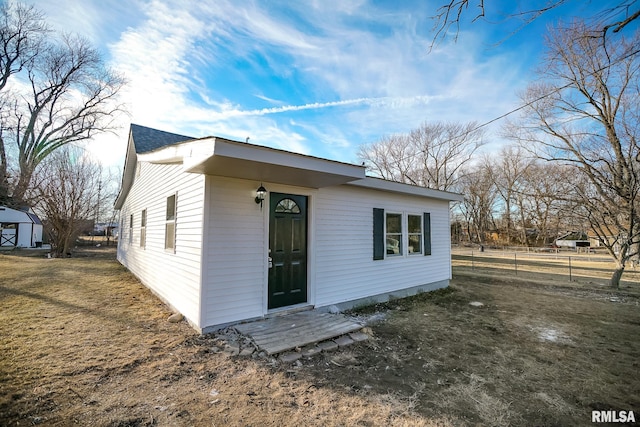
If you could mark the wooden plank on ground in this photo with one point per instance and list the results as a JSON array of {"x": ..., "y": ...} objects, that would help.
[{"x": 281, "y": 333}]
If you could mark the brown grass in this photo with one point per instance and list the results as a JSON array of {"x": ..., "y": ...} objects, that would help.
[{"x": 84, "y": 343}]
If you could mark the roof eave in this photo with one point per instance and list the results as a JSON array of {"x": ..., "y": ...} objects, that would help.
[
  {"x": 398, "y": 187},
  {"x": 246, "y": 161},
  {"x": 128, "y": 173}
]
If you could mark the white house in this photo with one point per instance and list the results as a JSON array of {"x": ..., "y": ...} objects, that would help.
[
  {"x": 19, "y": 228},
  {"x": 195, "y": 229}
]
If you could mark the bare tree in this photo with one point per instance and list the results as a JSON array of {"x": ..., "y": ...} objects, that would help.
[
  {"x": 479, "y": 201},
  {"x": 22, "y": 31},
  {"x": 548, "y": 188},
  {"x": 585, "y": 115},
  {"x": 431, "y": 156},
  {"x": 506, "y": 172},
  {"x": 449, "y": 16},
  {"x": 70, "y": 94},
  {"x": 391, "y": 158},
  {"x": 66, "y": 190},
  {"x": 71, "y": 100}
]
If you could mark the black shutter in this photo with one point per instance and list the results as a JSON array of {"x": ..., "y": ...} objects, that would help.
[
  {"x": 378, "y": 233},
  {"x": 427, "y": 233}
]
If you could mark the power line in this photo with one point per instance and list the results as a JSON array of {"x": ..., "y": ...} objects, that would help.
[{"x": 521, "y": 107}]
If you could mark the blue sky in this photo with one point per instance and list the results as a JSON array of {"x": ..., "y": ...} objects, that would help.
[{"x": 314, "y": 77}]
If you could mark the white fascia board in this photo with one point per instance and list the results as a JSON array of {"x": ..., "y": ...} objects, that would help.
[
  {"x": 398, "y": 187},
  {"x": 246, "y": 161},
  {"x": 181, "y": 152},
  {"x": 285, "y": 158},
  {"x": 128, "y": 174}
]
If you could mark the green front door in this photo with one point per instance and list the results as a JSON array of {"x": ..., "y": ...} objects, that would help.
[{"x": 287, "y": 249}]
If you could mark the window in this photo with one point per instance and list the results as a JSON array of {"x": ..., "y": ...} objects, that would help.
[
  {"x": 130, "y": 228},
  {"x": 143, "y": 228},
  {"x": 170, "y": 225},
  {"x": 398, "y": 234},
  {"x": 287, "y": 206},
  {"x": 427, "y": 233},
  {"x": 378, "y": 234},
  {"x": 414, "y": 232},
  {"x": 393, "y": 234}
]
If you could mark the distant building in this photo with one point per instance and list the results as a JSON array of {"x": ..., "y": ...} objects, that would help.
[
  {"x": 573, "y": 239},
  {"x": 19, "y": 228},
  {"x": 105, "y": 229}
]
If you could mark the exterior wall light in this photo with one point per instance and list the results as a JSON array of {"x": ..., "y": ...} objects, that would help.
[{"x": 261, "y": 192}]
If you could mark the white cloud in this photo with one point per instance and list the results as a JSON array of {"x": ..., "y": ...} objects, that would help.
[{"x": 360, "y": 72}]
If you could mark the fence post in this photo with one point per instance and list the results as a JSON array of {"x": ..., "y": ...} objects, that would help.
[
  {"x": 472, "y": 261},
  {"x": 515, "y": 261},
  {"x": 570, "y": 278}
]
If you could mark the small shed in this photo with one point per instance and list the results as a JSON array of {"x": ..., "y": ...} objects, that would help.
[{"x": 19, "y": 228}]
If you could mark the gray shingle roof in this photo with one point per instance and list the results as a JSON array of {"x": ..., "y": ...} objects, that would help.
[{"x": 147, "y": 139}]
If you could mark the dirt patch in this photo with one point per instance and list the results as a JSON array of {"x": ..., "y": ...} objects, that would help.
[
  {"x": 83, "y": 342},
  {"x": 532, "y": 354}
]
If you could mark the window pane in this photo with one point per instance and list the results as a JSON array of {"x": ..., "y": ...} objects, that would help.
[
  {"x": 394, "y": 234},
  {"x": 171, "y": 207},
  {"x": 169, "y": 237},
  {"x": 143, "y": 237},
  {"x": 415, "y": 243},
  {"x": 394, "y": 244},
  {"x": 143, "y": 218},
  {"x": 287, "y": 206},
  {"x": 394, "y": 223},
  {"x": 415, "y": 224},
  {"x": 130, "y": 228}
]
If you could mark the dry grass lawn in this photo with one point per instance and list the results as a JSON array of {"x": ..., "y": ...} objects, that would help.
[{"x": 84, "y": 343}]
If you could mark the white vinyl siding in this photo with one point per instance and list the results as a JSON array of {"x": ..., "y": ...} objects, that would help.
[
  {"x": 339, "y": 245},
  {"x": 235, "y": 269},
  {"x": 174, "y": 277},
  {"x": 224, "y": 279},
  {"x": 344, "y": 268}
]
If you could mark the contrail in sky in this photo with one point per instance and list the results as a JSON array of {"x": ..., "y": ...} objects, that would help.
[{"x": 394, "y": 102}]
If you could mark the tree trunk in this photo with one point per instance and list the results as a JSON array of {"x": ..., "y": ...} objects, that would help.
[
  {"x": 4, "y": 181},
  {"x": 68, "y": 241},
  {"x": 615, "y": 277},
  {"x": 24, "y": 180}
]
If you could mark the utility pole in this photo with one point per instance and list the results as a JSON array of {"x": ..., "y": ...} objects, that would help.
[{"x": 95, "y": 222}]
